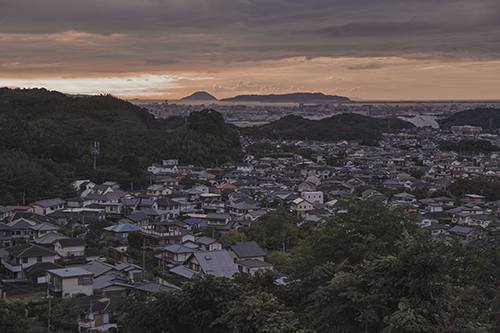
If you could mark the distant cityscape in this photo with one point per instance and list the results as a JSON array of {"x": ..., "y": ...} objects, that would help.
[{"x": 248, "y": 112}]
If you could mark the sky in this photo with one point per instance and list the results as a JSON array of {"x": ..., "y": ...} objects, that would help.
[{"x": 168, "y": 49}]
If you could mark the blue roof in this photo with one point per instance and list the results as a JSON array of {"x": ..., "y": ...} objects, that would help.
[
  {"x": 124, "y": 227},
  {"x": 192, "y": 221}
]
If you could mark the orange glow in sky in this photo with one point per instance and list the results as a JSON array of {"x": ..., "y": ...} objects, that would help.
[{"x": 165, "y": 49}]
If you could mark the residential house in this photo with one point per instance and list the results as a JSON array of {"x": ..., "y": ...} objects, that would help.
[
  {"x": 251, "y": 266},
  {"x": 17, "y": 259},
  {"x": 6, "y": 213},
  {"x": 5, "y": 235},
  {"x": 45, "y": 207},
  {"x": 241, "y": 208},
  {"x": 460, "y": 232},
  {"x": 216, "y": 263},
  {"x": 473, "y": 199},
  {"x": 219, "y": 221},
  {"x": 208, "y": 244},
  {"x": 48, "y": 239},
  {"x": 246, "y": 250},
  {"x": 171, "y": 207},
  {"x": 162, "y": 233},
  {"x": 70, "y": 247},
  {"x": 44, "y": 228},
  {"x": 118, "y": 233},
  {"x": 21, "y": 230},
  {"x": 70, "y": 282},
  {"x": 97, "y": 310},
  {"x": 313, "y": 197},
  {"x": 134, "y": 273},
  {"x": 175, "y": 254},
  {"x": 300, "y": 206}
]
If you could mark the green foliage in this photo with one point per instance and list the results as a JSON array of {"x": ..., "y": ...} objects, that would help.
[
  {"x": 369, "y": 142},
  {"x": 417, "y": 174},
  {"x": 45, "y": 140},
  {"x": 231, "y": 237},
  {"x": 194, "y": 308},
  {"x": 174, "y": 122},
  {"x": 371, "y": 268},
  {"x": 469, "y": 145},
  {"x": 274, "y": 230},
  {"x": 188, "y": 182},
  {"x": 24, "y": 179},
  {"x": 340, "y": 127},
  {"x": 260, "y": 313},
  {"x": 491, "y": 190},
  {"x": 487, "y": 118},
  {"x": 72, "y": 261},
  {"x": 13, "y": 320},
  {"x": 135, "y": 240}
]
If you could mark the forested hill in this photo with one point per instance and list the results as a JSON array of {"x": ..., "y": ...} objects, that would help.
[
  {"x": 45, "y": 140},
  {"x": 487, "y": 118},
  {"x": 340, "y": 127}
]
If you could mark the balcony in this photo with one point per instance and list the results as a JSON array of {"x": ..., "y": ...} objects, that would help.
[
  {"x": 149, "y": 231},
  {"x": 12, "y": 267}
]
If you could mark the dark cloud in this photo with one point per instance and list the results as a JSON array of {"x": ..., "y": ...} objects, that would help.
[
  {"x": 172, "y": 32},
  {"x": 365, "y": 66}
]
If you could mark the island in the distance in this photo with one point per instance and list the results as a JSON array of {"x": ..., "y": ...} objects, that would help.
[
  {"x": 283, "y": 98},
  {"x": 199, "y": 96},
  {"x": 290, "y": 98}
]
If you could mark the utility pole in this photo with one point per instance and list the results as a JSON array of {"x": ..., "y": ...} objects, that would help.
[
  {"x": 95, "y": 149},
  {"x": 144, "y": 259},
  {"x": 50, "y": 303},
  {"x": 283, "y": 236}
]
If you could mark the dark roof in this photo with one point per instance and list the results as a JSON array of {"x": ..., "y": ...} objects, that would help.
[
  {"x": 49, "y": 202},
  {"x": 70, "y": 242},
  {"x": 152, "y": 287},
  {"x": 93, "y": 252},
  {"x": 43, "y": 265},
  {"x": 247, "y": 249},
  {"x": 29, "y": 251},
  {"x": 254, "y": 263}
]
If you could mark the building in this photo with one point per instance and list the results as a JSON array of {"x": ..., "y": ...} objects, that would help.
[
  {"x": 17, "y": 259},
  {"x": 70, "y": 282}
]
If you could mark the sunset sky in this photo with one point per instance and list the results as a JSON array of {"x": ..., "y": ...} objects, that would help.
[{"x": 168, "y": 49}]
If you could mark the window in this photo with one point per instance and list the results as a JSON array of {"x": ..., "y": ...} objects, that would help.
[
  {"x": 25, "y": 260},
  {"x": 137, "y": 277},
  {"x": 85, "y": 280},
  {"x": 39, "y": 259}
]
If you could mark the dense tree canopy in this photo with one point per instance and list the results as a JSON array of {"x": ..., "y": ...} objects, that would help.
[
  {"x": 48, "y": 135},
  {"x": 369, "y": 269},
  {"x": 339, "y": 127}
]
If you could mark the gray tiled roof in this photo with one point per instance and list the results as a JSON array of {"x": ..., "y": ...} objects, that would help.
[{"x": 247, "y": 249}]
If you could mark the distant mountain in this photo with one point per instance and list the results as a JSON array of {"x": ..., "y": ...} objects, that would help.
[
  {"x": 291, "y": 98},
  {"x": 341, "y": 127},
  {"x": 199, "y": 96}
]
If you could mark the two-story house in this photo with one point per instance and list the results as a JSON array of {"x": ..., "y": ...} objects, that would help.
[
  {"x": 17, "y": 259},
  {"x": 45, "y": 207},
  {"x": 70, "y": 282}
]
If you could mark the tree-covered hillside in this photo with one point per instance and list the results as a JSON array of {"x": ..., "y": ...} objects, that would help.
[
  {"x": 340, "y": 127},
  {"x": 50, "y": 133},
  {"x": 487, "y": 118}
]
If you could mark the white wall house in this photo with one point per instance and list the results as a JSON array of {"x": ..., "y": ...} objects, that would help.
[
  {"x": 313, "y": 197},
  {"x": 70, "y": 281}
]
